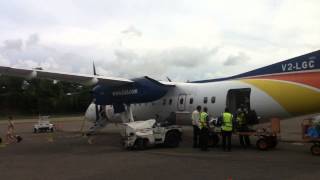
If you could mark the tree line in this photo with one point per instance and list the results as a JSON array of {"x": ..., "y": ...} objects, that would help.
[{"x": 41, "y": 97}]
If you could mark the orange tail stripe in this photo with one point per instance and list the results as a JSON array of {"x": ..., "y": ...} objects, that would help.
[{"x": 309, "y": 78}]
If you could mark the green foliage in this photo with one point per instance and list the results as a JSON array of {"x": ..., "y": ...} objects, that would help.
[{"x": 38, "y": 96}]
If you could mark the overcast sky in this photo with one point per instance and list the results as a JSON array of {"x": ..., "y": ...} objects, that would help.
[{"x": 181, "y": 39}]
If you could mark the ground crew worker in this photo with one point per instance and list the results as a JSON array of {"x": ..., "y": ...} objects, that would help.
[
  {"x": 10, "y": 131},
  {"x": 204, "y": 129},
  {"x": 242, "y": 126},
  {"x": 195, "y": 123},
  {"x": 226, "y": 129}
]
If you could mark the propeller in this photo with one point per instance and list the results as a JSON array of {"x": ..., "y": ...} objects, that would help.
[
  {"x": 97, "y": 113},
  {"x": 101, "y": 117},
  {"x": 96, "y": 106},
  {"x": 94, "y": 69}
]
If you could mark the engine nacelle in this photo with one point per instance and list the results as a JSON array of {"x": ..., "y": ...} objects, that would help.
[{"x": 103, "y": 111}]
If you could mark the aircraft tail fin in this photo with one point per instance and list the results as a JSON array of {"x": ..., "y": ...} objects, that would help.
[{"x": 306, "y": 62}]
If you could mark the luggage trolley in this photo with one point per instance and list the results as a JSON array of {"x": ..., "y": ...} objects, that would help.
[
  {"x": 315, "y": 148},
  {"x": 265, "y": 140},
  {"x": 267, "y": 137}
]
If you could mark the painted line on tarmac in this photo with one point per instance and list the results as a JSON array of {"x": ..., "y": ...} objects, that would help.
[
  {"x": 3, "y": 145},
  {"x": 297, "y": 144},
  {"x": 181, "y": 154}
]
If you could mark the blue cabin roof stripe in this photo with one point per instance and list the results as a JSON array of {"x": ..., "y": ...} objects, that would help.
[{"x": 310, "y": 61}]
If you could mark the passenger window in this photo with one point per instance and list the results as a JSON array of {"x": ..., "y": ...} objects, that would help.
[
  {"x": 191, "y": 101},
  {"x": 205, "y": 100},
  {"x": 213, "y": 99},
  {"x": 170, "y": 101},
  {"x": 181, "y": 101},
  {"x": 164, "y": 101}
]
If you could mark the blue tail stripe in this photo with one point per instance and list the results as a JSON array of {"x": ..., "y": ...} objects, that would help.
[{"x": 310, "y": 61}]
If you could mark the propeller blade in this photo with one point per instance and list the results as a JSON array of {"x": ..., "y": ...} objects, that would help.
[
  {"x": 94, "y": 69},
  {"x": 97, "y": 113}
]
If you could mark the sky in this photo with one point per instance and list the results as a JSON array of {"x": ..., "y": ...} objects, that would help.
[{"x": 180, "y": 39}]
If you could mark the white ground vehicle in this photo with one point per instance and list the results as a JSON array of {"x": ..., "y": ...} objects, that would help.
[
  {"x": 142, "y": 134},
  {"x": 43, "y": 125}
]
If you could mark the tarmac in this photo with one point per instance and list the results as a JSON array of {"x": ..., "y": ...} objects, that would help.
[{"x": 66, "y": 154}]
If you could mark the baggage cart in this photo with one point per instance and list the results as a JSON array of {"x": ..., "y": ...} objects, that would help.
[
  {"x": 267, "y": 137},
  {"x": 315, "y": 148}
]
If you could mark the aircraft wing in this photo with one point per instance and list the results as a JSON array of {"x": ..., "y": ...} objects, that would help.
[{"x": 87, "y": 80}]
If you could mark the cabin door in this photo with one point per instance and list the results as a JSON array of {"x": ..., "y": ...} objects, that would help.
[
  {"x": 181, "y": 103},
  {"x": 238, "y": 97}
]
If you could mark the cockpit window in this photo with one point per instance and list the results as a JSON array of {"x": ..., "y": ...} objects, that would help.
[{"x": 164, "y": 102}]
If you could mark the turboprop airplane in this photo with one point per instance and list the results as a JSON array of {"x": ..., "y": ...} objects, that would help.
[{"x": 284, "y": 89}]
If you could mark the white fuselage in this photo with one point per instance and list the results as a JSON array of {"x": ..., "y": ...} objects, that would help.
[
  {"x": 186, "y": 96},
  {"x": 266, "y": 96}
]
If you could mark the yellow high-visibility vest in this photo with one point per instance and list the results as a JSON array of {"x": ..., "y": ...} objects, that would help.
[
  {"x": 227, "y": 121},
  {"x": 203, "y": 119},
  {"x": 241, "y": 119}
]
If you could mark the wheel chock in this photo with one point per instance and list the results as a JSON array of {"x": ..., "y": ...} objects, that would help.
[
  {"x": 3, "y": 145},
  {"x": 50, "y": 138}
]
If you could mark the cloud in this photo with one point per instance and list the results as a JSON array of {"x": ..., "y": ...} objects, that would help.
[
  {"x": 26, "y": 63},
  {"x": 49, "y": 63},
  {"x": 187, "y": 57},
  {"x": 184, "y": 39},
  {"x": 3, "y": 61},
  {"x": 238, "y": 59},
  {"x": 121, "y": 61},
  {"x": 125, "y": 55},
  {"x": 34, "y": 54},
  {"x": 131, "y": 30},
  {"x": 13, "y": 44},
  {"x": 32, "y": 40},
  {"x": 174, "y": 62}
]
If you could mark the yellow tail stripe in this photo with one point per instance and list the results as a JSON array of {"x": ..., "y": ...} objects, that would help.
[{"x": 294, "y": 98}]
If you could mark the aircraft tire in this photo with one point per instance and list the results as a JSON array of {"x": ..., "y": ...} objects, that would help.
[
  {"x": 272, "y": 142},
  {"x": 18, "y": 138},
  {"x": 213, "y": 140},
  {"x": 262, "y": 144},
  {"x": 140, "y": 144},
  {"x": 172, "y": 139},
  {"x": 315, "y": 150}
]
